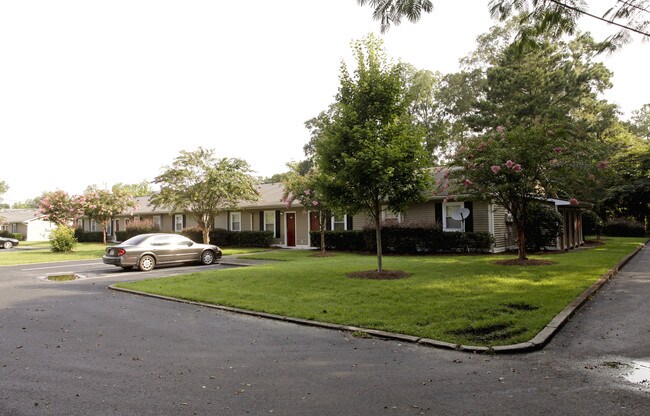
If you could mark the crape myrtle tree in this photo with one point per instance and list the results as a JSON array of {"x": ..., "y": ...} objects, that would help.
[
  {"x": 305, "y": 188},
  {"x": 102, "y": 205},
  {"x": 540, "y": 129},
  {"x": 368, "y": 146},
  {"x": 60, "y": 208},
  {"x": 202, "y": 186}
]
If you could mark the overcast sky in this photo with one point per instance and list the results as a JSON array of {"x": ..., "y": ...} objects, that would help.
[{"x": 100, "y": 92}]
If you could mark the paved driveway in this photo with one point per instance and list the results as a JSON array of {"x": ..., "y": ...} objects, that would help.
[{"x": 77, "y": 348}]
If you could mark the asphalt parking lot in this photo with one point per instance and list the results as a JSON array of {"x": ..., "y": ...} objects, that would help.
[{"x": 78, "y": 348}]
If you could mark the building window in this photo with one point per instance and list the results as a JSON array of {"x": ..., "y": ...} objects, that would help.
[
  {"x": 269, "y": 222},
  {"x": 178, "y": 222},
  {"x": 157, "y": 221},
  {"x": 391, "y": 217},
  {"x": 339, "y": 222},
  {"x": 235, "y": 221},
  {"x": 93, "y": 225},
  {"x": 450, "y": 224},
  {"x": 14, "y": 228}
]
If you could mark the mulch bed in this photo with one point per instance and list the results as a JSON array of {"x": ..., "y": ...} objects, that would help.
[
  {"x": 383, "y": 275},
  {"x": 529, "y": 262}
]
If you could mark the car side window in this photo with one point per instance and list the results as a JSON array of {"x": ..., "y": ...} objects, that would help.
[
  {"x": 181, "y": 241},
  {"x": 160, "y": 241}
]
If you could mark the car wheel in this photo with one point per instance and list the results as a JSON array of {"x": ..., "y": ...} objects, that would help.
[
  {"x": 146, "y": 263},
  {"x": 7, "y": 244},
  {"x": 207, "y": 257}
]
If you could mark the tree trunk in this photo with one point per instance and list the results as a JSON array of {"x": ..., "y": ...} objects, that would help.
[
  {"x": 521, "y": 242},
  {"x": 104, "y": 232},
  {"x": 206, "y": 235},
  {"x": 322, "y": 240},
  {"x": 378, "y": 236}
]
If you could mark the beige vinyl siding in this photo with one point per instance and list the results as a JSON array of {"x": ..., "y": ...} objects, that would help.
[
  {"x": 424, "y": 213},
  {"x": 481, "y": 213},
  {"x": 302, "y": 228},
  {"x": 359, "y": 221},
  {"x": 221, "y": 221},
  {"x": 502, "y": 231}
]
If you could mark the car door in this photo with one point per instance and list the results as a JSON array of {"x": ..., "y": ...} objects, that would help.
[
  {"x": 162, "y": 247},
  {"x": 183, "y": 249}
]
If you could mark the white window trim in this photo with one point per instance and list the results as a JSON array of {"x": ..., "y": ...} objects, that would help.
[
  {"x": 274, "y": 224},
  {"x": 444, "y": 217},
  {"x": 345, "y": 222},
  {"x": 232, "y": 221},
  {"x": 93, "y": 226},
  {"x": 176, "y": 217},
  {"x": 156, "y": 220},
  {"x": 398, "y": 216},
  {"x": 14, "y": 228}
]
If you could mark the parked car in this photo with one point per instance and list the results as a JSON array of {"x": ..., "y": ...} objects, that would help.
[
  {"x": 146, "y": 251},
  {"x": 6, "y": 242}
]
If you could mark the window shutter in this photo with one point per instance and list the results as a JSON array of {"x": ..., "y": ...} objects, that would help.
[
  {"x": 469, "y": 221},
  {"x": 438, "y": 213},
  {"x": 184, "y": 224},
  {"x": 348, "y": 222},
  {"x": 228, "y": 223},
  {"x": 277, "y": 224},
  {"x": 328, "y": 222},
  {"x": 262, "y": 221}
]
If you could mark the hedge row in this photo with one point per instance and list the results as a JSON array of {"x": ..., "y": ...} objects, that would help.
[
  {"x": 88, "y": 236},
  {"x": 226, "y": 238},
  {"x": 17, "y": 236},
  {"x": 405, "y": 240},
  {"x": 623, "y": 227}
]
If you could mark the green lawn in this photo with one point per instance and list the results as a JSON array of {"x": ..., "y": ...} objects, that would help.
[
  {"x": 454, "y": 298},
  {"x": 83, "y": 251}
]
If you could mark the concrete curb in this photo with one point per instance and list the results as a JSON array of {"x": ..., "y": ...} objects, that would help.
[{"x": 537, "y": 343}]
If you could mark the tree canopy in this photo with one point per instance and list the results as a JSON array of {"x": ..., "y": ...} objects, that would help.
[
  {"x": 200, "y": 185},
  {"x": 368, "y": 147},
  {"x": 552, "y": 17}
]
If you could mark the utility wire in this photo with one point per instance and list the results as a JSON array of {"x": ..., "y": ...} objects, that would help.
[
  {"x": 633, "y": 5},
  {"x": 575, "y": 9}
]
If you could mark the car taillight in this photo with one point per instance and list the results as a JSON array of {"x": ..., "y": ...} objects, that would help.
[{"x": 121, "y": 252}]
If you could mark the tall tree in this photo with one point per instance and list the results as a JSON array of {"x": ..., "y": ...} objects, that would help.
[
  {"x": 3, "y": 189},
  {"x": 142, "y": 188},
  {"x": 551, "y": 127},
  {"x": 640, "y": 122},
  {"x": 535, "y": 16},
  {"x": 203, "y": 186},
  {"x": 370, "y": 150}
]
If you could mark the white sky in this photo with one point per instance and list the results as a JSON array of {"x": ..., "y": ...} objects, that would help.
[{"x": 100, "y": 92}]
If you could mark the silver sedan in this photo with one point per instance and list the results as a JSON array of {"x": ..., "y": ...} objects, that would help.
[{"x": 146, "y": 251}]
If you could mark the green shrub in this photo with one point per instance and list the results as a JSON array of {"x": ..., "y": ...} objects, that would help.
[
  {"x": 542, "y": 227},
  {"x": 17, "y": 236},
  {"x": 88, "y": 236},
  {"x": 227, "y": 238},
  {"x": 136, "y": 228},
  {"x": 62, "y": 239},
  {"x": 405, "y": 239},
  {"x": 592, "y": 224},
  {"x": 624, "y": 227}
]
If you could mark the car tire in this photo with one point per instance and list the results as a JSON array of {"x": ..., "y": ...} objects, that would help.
[
  {"x": 147, "y": 263},
  {"x": 207, "y": 257},
  {"x": 7, "y": 244}
]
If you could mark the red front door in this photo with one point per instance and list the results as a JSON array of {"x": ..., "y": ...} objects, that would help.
[{"x": 291, "y": 230}]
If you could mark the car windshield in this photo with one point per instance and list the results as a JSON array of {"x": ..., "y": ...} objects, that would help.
[{"x": 134, "y": 241}]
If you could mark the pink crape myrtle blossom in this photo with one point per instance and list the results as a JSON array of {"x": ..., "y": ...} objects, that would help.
[
  {"x": 495, "y": 169},
  {"x": 573, "y": 201},
  {"x": 509, "y": 164},
  {"x": 516, "y": 167},
  {"x": 603, "y": 164},
  {"x": 501, "y": 129},
  {"x": 315, "y": 203},
  {"x": 467, "y": 183}
]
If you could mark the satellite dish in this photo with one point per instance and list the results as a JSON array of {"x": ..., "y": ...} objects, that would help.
[{"x": 460, "y": 215}]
